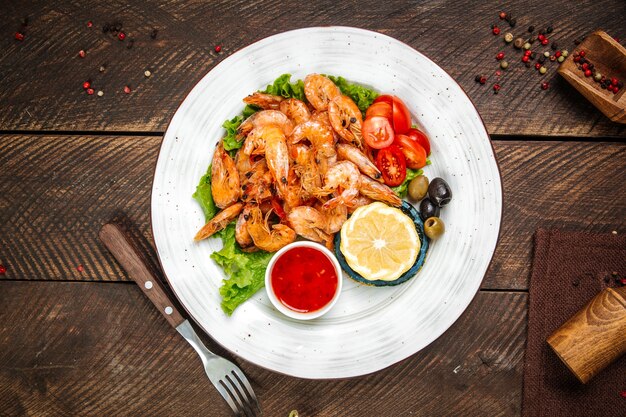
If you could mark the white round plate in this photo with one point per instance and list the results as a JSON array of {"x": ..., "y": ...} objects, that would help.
[{"x": 369, "y": 328}]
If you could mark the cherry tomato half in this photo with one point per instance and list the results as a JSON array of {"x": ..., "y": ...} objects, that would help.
[
  {"x": 401, "y": 115},
  {"x": 380, "y": 109},
  {"x": 414, "y": 153},
  {"x": 377, "y": 132},
  {"x": 421, "y": 138},
  {"x": 391, "y": 163}
]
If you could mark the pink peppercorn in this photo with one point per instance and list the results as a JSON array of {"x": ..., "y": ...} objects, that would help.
[
  {"x": 90, "y": 91},
  {"x": 86, "y": 85},
  {"x": 495, "y": 30},
  {"x": 614, "y": 81},
  {"x": 19, "y": 36},
  {"x": 545, "y": 85},
  {"x": 525, "y": 58},
  {"x": 557, "y": 54},
  {"x": 500, "y": 56},
  {"x": 82, "y": 53},
  {"x": 218, "y": 48},
  {"x": 89, "y": 24},
  {"x": 582, "y": 54},
  {"x": 496, "y": 88},
  {"x": 528, "y": 52},
  {"x": 537, "y": 65},
  {"x": 545, "y": 41},
  {"x": 126, "y": 89},
  {"x": 80, "y": 268},
  {"x": 3, "y": 269},
  {"x": 121, "y": 36},
  {"x": 588, "y": 73}
]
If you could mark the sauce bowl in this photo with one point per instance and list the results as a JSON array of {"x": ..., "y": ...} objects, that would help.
[{"x": 272, "y": 293}]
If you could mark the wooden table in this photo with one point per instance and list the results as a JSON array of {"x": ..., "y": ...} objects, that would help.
[{"x": 77, "y": 338}]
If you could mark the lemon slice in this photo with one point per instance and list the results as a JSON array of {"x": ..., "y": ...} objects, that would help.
[{"x": 379, "y": 242}]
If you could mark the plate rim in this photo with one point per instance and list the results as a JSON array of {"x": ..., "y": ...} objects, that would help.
[{"x": 191, "y": 317}]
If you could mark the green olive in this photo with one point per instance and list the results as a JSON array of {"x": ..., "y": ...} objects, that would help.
[
  {"x": 434, "y": 227},
  {"x": 418, "y": 187}
]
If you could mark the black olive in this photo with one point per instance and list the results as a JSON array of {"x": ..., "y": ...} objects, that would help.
[
  {"x": 428, "y": 209},
  {"x": 439, "y": 192}
]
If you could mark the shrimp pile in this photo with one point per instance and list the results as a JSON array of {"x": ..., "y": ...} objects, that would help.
[{"x": 302, "y": 168}]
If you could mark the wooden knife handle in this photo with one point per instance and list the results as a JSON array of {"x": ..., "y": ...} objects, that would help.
[
  {"x": 133, "y": 262},
  {"x": 595, "y": 336}
]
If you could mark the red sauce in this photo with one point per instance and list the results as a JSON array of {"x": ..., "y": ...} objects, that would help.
[{"x": 304, "y": 279}]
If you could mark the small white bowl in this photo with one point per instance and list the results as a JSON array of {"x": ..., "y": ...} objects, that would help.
[{"x": 283, "y": 308}]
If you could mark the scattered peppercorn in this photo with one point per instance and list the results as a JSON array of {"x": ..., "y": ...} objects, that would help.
[
  {"x": 546, "y": 54},
  {"x": 80, "y": 268},
  {"x": 565, "y": 53},
  {"x": 19, "y": 36},
  {"x": 527, "y": 46},
  {"x": 525, "y": 58},
  {"x": 86, "y": 85},
  {"x": 597, "y": 76},
  {"x": 127, "y": 89},
  {"x": 496, "y": 88},
  {"x": 500, "y": 56},
  {"x": 154, "y": 33},
  {"x": 498, "y": 73},
  {"x": 549, "y": 29},
  {"x": 90, "y": 91},
  {"x": 545, "y": 41},
  {"x": 582, "y": 54},
  {"x": 502, "y": 15},
  {"x": 102, "y": 68},
  {"x": 218, "y": 48},
  {"x": 531, "y": 29},
  {"x": 537, "y": 65},
  {"x": 552, "y": 58},
  {"x": 82, "y": 53},
  {"x": 545, "y": 85},
  {"x": 561, "y": 59},
  {"x": 504, "y": 64},
  {"x": 512, "y": 22},
  {"x": 508, "y": 37},
  {"x": 147, "y": 73},
  {"x": 541, "y": 59},
  {"x": 543, "y": 70},
  {"x": 554, "y": 46},
  {"x": 89, "y": 24},
  {"x": 100, "y": 93},
  {"x": 121, "y": 36},
  {"x": 519, "y": 43},
  {"x": 528, "y": 64},
  {"x": 587, "y": 73},
  {"x": 3, "y": 269},
  {"x": 495, "y": 30}
]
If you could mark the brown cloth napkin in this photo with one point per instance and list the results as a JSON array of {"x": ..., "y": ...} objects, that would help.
[{"x": 569, "y": 269}]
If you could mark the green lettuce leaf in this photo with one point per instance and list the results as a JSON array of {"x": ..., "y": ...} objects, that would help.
[
  {"x": 230, "y": 140},
  {"x": 245, "y": 271},
  {"x": 282, "y": 86},
  {"x": 363, "y": 97},
  {"x": 204, "y": 197},
  {"x": 402, "y": 189}
]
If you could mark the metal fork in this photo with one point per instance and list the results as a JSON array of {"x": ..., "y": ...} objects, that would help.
[{"x": 227, "y": 378}]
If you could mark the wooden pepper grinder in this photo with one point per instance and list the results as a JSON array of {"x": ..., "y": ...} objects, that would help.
[{"x": 595, "y": 336}]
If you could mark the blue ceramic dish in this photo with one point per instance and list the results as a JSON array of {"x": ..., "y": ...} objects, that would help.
[{"x": 412, "y": 212}]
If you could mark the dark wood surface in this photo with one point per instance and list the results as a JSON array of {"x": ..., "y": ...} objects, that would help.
[{"x": 78, "y": 338}]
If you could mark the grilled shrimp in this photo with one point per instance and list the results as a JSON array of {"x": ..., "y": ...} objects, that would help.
[
  {"x": 264, "y": 118},
  {"x": 344, "y": 175},
  {"x": 346, "y": 119},
  {"x": 257, "y": 183},
  {"x": 242, "y": 236},
  {"x": 309, "y": 223},
  {"x": 220, "y": 221},
  {"x": 359, "y": 201},
  {"x": 296, "y": 110},
  {"x": 306, "y": 168},
  {"x": 277, "y": 157},
  {"x": 379, "y": 192},
  {"x": 264, "y": 101},
  {"x": 321, "y": 137},
  {"x": 358, "y": 158},
  {"x": 225, "y": 185},
  {"x": 319, "y": 90},
  {"x": 266, "y": 237},
  {"x": 335, "y": 218}
]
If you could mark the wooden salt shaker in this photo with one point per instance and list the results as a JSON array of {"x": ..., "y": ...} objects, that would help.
[{"x": 595, "y": 336}]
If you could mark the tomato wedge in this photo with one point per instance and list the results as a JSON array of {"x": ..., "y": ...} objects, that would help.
[
  {"x": 414, "y": 153},
  {"x": 401, "y": 115},
  {"x": 380, "y": 109},
  {"x": 421, "y": 138},
  {"x": 391, "y": 163},
  {"x": 377, "y": 132}
]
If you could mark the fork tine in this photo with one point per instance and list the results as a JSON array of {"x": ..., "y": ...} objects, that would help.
[
  {"x": 234, "y": 395},
  {"x": 223, "y": 390},
  {"x": 247, "y": 388},
  {"x": 240, "y": 397}
]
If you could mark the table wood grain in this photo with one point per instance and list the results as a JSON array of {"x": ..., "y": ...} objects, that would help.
[{"x": 78, "y": 338}]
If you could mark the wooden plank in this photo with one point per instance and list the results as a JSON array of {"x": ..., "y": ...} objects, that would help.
[
  {"x": 102, "y": 349},
  {"x": 43, "y": 75},
  {"x": 57, "y": 191}
]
